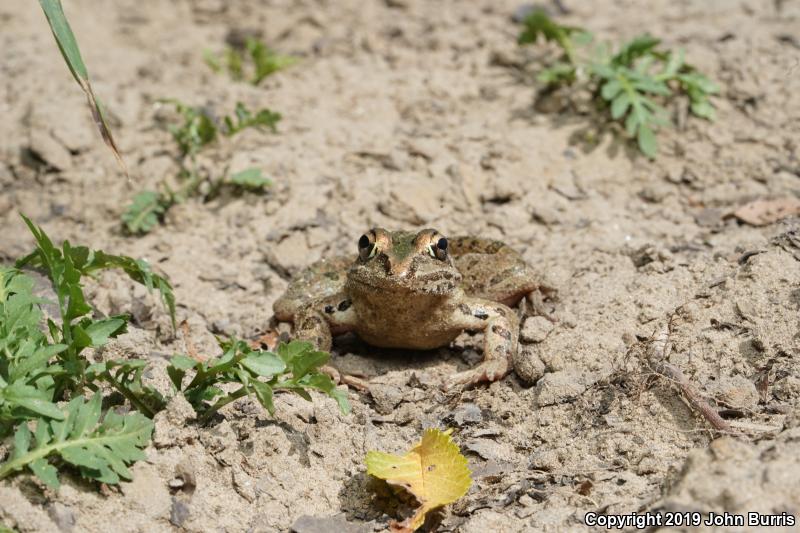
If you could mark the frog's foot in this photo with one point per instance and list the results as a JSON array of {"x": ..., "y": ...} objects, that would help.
[
  {"x": 487, "y": 371},
  {"x": 539, "y": 305},
  {"x": 345, "y": 379},
  {"x": 311, "y": 326},
  {"x": 500, "y": 326}
]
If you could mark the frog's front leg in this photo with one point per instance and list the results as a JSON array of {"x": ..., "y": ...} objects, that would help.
[
  {"x": 500, "y": 327},
  {"x": 324, "y": 318},
  {"x": 319, "y": 322}
]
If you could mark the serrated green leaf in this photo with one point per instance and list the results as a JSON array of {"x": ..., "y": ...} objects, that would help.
[
  {"x": 634, "y": 49},
  {"x": 674, "y": 63},
  {"x": 264, "y": 364},
  {"x": 250, "y": 178},
  {"x": 610, "y": 89},
  {"x": 42, "y": 407},
  {"x": 620, "y": 105},
  {"x": 289, "y": 351},
  {"x": 46, "y": 472},
  {"x": 22, "y": 441},
  {"x": 312, "y": 360},
  {"x": 182, "y": 362},
  {"x": 144, "y": 212},
  {"x": 647, "y": 141},
  {"x": 101, "y": 330},
  {"x": 31, "y": 398},
  {"x": 703, "y": 110},
  {"x": 325, "y": 384},
  {"x": 80, "y": 338},
  {"x": 102, "y": 452},
  {"x": 264, "y": 395},
  {"x": 244, "y": 119},
  {"x": 86, "y": 417}
]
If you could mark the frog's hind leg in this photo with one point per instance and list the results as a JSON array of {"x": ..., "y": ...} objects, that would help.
[
  {"x": 324, "y": 318},
  {"x": 319, "y": 280},
  {"x": 493, "y": 270}
]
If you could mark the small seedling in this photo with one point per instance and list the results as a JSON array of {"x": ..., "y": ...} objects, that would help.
[
  {"x": 294, "y": 367},
  {"x": 633, "y": 83},
  {"x": 263, "y": 61},
  {"x": 196, "y": 130},
  {"x": 199, "y": 128}
]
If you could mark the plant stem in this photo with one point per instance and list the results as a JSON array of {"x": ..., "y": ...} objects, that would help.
[
  {"x": 129, "y": 395},
  {"x": 222, "y": 403}
]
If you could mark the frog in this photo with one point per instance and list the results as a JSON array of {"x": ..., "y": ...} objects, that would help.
[{"x": 416, "y": 290}]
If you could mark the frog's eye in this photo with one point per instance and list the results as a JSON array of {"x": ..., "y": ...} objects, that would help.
[
  {"x": 439, "y": 249},
  {"x": 366, "y": 248}
]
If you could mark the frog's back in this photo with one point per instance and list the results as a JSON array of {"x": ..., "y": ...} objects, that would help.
[
  {"x": 320, "y": 280},
  {"x": 491, "y": 269}
]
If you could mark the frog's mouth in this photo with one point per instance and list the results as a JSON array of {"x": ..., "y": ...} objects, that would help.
[{"x": 436, "y": 282}]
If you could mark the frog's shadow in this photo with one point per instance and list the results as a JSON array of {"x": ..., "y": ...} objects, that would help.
[{"x": 352, "y": 355}]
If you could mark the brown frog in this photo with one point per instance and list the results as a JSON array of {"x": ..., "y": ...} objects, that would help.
[{"x": 416, "y": 290}]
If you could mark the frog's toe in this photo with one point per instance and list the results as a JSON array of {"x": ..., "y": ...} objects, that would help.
[
  {"x": 337, "y": 377},
  {"x": 488, "y": 371}
]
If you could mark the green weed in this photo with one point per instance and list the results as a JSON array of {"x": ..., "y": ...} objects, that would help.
[
  {"x": 294, "y": 367},
  {"x": 254, "y": 63},
  {"x": 99, "y": 450},
  {"x": 196, "y": 130},
  {"x": 44, "y": 364},
  {"x": 632, "y": 83}
]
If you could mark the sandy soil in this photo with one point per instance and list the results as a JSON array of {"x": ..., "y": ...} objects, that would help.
[{"x": 403, "y": 114}]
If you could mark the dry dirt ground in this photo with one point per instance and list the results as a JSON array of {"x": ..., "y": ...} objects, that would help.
[{"x": 411, "y": 113}]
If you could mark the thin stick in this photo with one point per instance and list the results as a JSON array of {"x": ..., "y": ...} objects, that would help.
[
  {"x": 660, "y": 348},
  {"x": 694, "y": 398}
]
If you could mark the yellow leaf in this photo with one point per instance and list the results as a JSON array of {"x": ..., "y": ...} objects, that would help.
[{"x": 434, "y": 471}]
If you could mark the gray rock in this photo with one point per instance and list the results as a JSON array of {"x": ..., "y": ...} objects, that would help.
[
  {"x": 467, "y": 413},
  {"x": 327, "y": 524},
  {"x": 49, "y": 150},
  {"x": 62, "y": 516},
  {"x": 559, "y": 387},
  {"x": 528, "y": 364},
  {"x": 536, "y": 329},
  {"x": 179, "y": 513}
]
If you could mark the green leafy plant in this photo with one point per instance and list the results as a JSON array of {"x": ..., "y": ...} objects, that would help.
[
  {"x": 26, "y": 379},
  {"x": 196, "y": 130},
  {"x": 37, "y": 371},
  {"x": 41, "y": 366},
  {"x": 294, "y": 367},
  {"x": 254, "y": 62},
  {"x": 100, "y": 450},
  {"x": 632, "y": 83}
]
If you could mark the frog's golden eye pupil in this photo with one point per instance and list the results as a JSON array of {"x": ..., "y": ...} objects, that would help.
[
  {"x": 442, "y": 244},
  {"x": 363, "y": 242}
]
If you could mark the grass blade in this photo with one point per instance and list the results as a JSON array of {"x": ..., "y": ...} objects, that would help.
[{"x": 68, "y": 46}]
